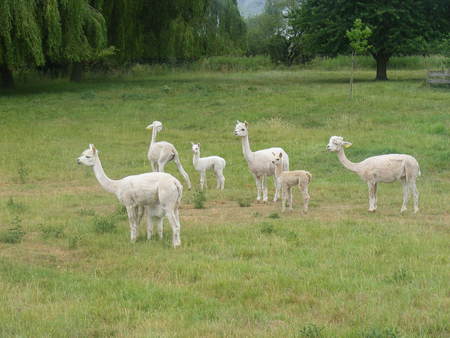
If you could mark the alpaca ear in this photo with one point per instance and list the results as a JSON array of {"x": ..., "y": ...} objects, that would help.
[
  {"x": 192, "y": 143},
  {"x": 347, "y": 144},
  {"x": 198, "y": 144},
  {"x": 237, "y": 121},
  {"x": 246, "y": 123},
  {"x": 93, "y": 148}
]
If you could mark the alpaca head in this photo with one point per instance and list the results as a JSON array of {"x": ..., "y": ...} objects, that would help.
[
  {"x": 277, "y": 159},
  {"x": 195, "y": 147},
  {"x": 88, "y": 156},
  {"x": 241, "y": 129},
  {"x": 155, "y": 125},
  {"x": 336, "y": 143}
]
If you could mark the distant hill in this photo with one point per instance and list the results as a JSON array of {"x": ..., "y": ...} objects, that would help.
[{"x": 251, "y": 7}]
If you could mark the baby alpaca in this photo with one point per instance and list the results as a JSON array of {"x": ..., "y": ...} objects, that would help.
[
  {"x": 201, "y": 164},
  {"x": 289, "y": 179},
  {"x": 157, "y": 193},
  {"x": 382, "y": 168}
]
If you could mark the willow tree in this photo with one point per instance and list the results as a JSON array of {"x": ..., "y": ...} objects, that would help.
[
  {"x": 175, "y": 30},
  {"x": 36, "y": 32}
]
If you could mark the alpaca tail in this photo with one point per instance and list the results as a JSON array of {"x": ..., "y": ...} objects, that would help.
[{"x": 183, "y": 173}]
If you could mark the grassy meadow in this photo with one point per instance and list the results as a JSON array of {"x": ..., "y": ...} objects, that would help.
[{"x": 67, "y": 267}]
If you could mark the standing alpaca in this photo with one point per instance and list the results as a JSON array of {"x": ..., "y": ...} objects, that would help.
[
  {"x": 382, "y": 168},
  {"x": 159, "y": 153},
  {"x": 157, "y": 193},
  {"x": 260, "y": 162},
  {"x": 289, "y": 179},
  {"x": 201, "y": 164}
]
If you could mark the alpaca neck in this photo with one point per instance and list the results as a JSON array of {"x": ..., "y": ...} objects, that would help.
[
  {"x": 248, "y": 155},
  {"x": 278, "y": 168},
  {"x": 346, "y": 162},
  {"x": 154, "y": 133},
  {"x": 195, "y": 159},
  {"x": 107, "y": 183}
]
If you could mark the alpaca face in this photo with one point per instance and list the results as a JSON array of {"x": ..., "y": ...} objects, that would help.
[
  {"x": 336, "y": 143},
  {"x": 241, "y": 129},
  {"x": 88, "y": 156},
  {"x": 195, "y": 147},
  {"x": 156, "y": 125},
  {"x": 277, "y": 159}
]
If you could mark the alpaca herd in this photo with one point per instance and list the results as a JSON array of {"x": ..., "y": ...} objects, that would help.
[{"x": 158, "y": 194}]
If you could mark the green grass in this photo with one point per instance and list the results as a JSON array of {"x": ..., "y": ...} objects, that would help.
[{"x": 241, "y": 271}]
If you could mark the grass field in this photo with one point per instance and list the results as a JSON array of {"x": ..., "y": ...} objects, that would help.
[{"x": 67, "y": 267}]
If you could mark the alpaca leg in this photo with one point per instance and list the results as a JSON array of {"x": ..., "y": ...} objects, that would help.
[
  {"x": 202, "y": 179},
  {"x": 132, "y": 217},
  {"x": 415, "y": 193},
  {"x": 160, "y": 226},
  {"x": 222, "y": 181},
  {"x": 175, "y": 229},
  {"x": 161, "y": 165},
  {"x": 284, "y": 197},
  {"x": 154, "y": 165},
  {"x": 405, "y": 195},
  {"x": 290, "y": 198},
  {"x": 258, "y": 187},
  {"x": 372, "y": 192},
  {"x": 277, "y": 188},
  {"x": 306, "y": 198},
  {"x": 219, "y": 179},
  {"x": 264, "y": 187},
  {"x": 149, "y": 224}
]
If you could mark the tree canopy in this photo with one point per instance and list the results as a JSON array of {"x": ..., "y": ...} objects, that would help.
[
  {"x": 399, "y": 27},
  {"x": 38, "y": 31}
]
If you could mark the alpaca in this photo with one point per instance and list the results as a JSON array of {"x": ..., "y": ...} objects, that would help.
[
  {"x": 201, "y": 164},
  {"x": 157, "y": 193},
  {"x": 260, "y": 162},
  {"x": 159, "y": 153},
  {"x": 382, "y": 168},
  {"x": 289, "y": 179}
]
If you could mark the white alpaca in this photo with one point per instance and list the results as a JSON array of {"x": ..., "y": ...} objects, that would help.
[
  {"x": 260, "y": 162},
  {"x": 382, "y": 168},
  {"x": 201, "y": 164},
  {"x": 289, "y": 179},
  {"x": 159, "y": 153},
  {"x": 157, "y": 193}
]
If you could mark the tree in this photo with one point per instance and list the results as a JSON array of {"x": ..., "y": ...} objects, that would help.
[
  {"x": 358, "y": 36},
  {"x": 56, "y": 31},
  {"x": 399, "y": 27}
]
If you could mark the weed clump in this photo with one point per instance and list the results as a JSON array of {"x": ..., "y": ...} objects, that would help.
[
  {"x": 199, "y": 199},
  {"x": 73, "y": 242},
  {"x": 311, "y": 331},
  {"x": 274, "y": 215},
  {"x": 14, "y": 234},
  {"x": 23, "y": 172},
  {"x": 244, "y": 203},
  {"x": 104, "y": 225},
  {"x": 381, "y": 333},
  {"x": 52, "y": 231},
  {"x": 267, "y": 228},
  {"x": 14, "y": 206}
]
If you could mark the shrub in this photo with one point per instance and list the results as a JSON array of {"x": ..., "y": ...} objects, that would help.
[
  {"x": 274, "y": 215},
  {"x": 73, "y": 242},
  {"x": 311, "y": 330},
  {"x": 14, "y": 234},
  {"x": 104, "y": 225},
  {"x": 52, "y": 231},
  {"x": 267, "y": 228},
  {"x": 14, "y": 206},
  {"x": 244, "y": 202},
  {"x": 199, "y": 199}
]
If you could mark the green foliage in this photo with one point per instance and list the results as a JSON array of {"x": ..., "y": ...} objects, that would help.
[
  {"x": 52, "y": 231},
  {"x": 104, "y": 224},
  {"x": 311, "y": 331},
  {"x": 15, "y": 233},
  {"x": 22, "y": 172},
  {"x": 274, "y": 215},
  {"x": 15, "y": 207},
  {"x": 398, "y": 27},
  {"x": 358, "y": 36},
  {"x": 244, "y": 202},
  {"x": 199, "y": 198}
]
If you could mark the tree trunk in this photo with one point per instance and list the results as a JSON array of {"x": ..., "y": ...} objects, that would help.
[
  {"x": 77, "y": 72},
  {"x": 382, "y": 61},
  {"x": 6, "y": 77}
]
